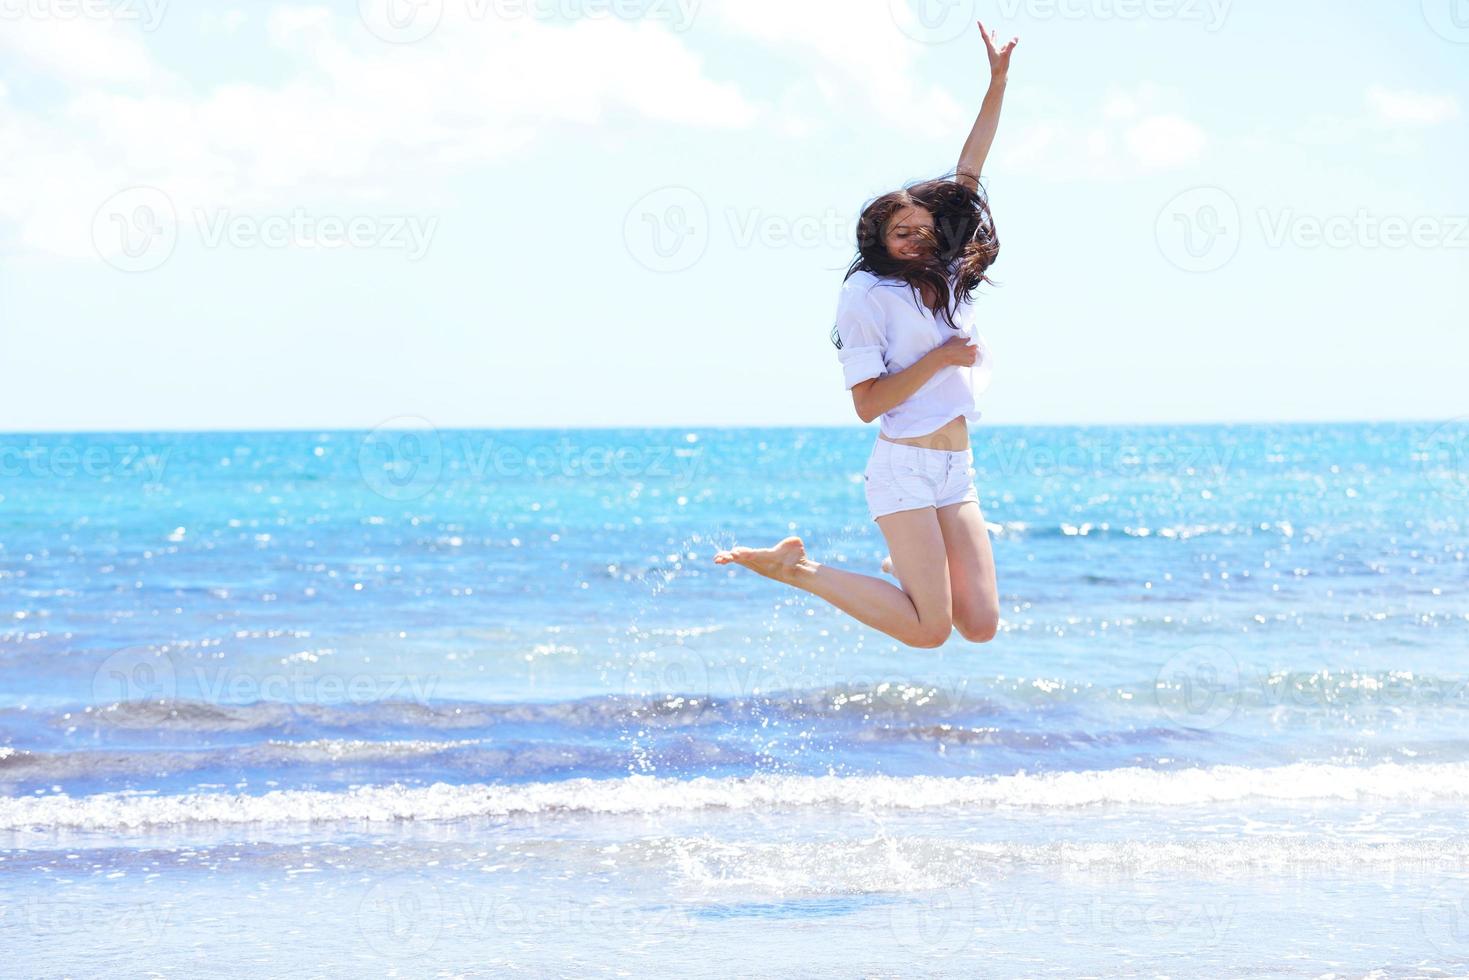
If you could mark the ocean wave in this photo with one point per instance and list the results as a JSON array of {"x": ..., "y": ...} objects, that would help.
[
  {"x": 692, "y": 706},
  {"x": 677, "y": 692},
  {"x": 948, "y": 734},
  {"x": 1107, "y": 529},
  {"x": 479, "y": 757},
  {"x": 24, "y": 764},
  {"x": 640, "y": 794}
]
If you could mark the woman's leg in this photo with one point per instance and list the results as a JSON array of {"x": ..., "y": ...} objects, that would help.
[
  {"x": 971, "y": 570},
  {"x": 919, "y": 614}
]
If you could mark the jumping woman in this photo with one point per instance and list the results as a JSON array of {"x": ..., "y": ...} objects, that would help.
[{"x": 912, "y": 357}]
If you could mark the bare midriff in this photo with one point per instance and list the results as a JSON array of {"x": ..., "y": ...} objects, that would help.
[{"x": 953, "y": 436}]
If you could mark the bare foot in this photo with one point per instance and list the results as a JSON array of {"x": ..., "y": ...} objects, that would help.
[
  {"x": 780, "y": 563},
  {"x": 887, "y": 564}
]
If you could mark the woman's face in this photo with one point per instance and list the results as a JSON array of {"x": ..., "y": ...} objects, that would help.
[{"x": 909, "y": 233}]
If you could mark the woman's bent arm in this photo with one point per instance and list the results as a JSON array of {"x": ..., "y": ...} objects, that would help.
[
  {"x": 982, "y": 136},
  {"x": 879, "y": 395}
]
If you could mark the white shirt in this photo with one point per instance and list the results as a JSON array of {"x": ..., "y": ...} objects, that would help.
[{"x": 883, "y": 329}]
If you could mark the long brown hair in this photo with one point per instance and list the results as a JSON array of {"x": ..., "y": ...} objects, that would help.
[{"x": 963, "y": 227}]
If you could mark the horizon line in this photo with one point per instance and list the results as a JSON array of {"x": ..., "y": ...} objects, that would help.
[{"x": 306, "y": 429}]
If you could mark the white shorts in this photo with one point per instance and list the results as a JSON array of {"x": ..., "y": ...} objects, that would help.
[{"x": 903, "y": 477}]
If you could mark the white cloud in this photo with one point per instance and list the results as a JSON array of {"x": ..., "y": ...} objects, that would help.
[
  {"x": 1404, "y": 108},
  {"x": 857, "y": 58},
  {"x": 287, "y": 27},
  {"x": 1130, "y": 133},
  {"x": 222, "y": 22},
  {"x": 795, "y": 114},
  {"x": 1165, "y": 142},
  {"x": 80, "y": 49},
  {"x": 1119, "y": 105},
  {"x": 1390, "y": 121},
  {"x": 357, "y": 119}
]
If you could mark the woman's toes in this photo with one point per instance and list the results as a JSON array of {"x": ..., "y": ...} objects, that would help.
[{"x": 736, "y": 554}]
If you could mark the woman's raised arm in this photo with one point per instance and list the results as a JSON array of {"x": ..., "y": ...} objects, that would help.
[{"x": 982, "y": 136}]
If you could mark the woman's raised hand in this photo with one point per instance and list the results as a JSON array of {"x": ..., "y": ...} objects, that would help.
[{"x": 999, "y": 54}]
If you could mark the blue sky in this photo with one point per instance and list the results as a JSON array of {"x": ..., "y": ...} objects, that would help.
[{"x": 606, "y": 212}]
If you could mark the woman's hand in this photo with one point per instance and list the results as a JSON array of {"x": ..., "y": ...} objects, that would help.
[
  {"x": 977, "y": 147},
  {"x": 999, "y": 54},
  {"x": 956, "y": 352}
]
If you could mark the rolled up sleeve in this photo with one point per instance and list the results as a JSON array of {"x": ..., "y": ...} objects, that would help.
[{"x": 861, "y": 343}]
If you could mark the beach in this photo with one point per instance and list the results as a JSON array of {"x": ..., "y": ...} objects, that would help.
[{"x": 470, "y": 702}]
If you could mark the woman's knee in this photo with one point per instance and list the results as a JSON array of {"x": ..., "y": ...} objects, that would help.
[
  {"x": 930, "y": 636},
  {"x": 979, "y": 629}
]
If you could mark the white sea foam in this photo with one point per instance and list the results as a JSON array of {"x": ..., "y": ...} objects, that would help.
[
  {"x": 904, "y": 864},
  {"x": 648, "y": 794}
]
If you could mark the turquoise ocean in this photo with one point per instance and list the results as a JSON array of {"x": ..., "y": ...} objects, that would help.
[{"x": 424, "y": 702}]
